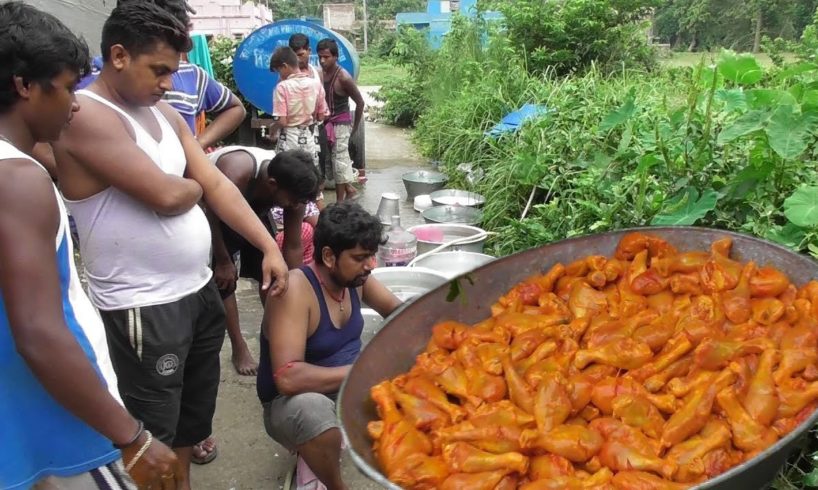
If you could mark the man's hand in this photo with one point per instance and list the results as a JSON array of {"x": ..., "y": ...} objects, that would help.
[
  {"x": 225, "y": 274},
  {"x": 157, "y": 468},
  {"x": 274, "y": 273}
]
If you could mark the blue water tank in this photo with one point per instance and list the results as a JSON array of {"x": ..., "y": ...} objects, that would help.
[{"x": 251, "y": 64}]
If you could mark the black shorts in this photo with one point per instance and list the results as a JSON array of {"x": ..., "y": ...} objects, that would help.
[
  {"x": 166, "y": 359},
  {"x": 243, "y": 254}
]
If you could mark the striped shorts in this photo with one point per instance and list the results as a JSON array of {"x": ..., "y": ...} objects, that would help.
[{"x": 109, "y": 477}]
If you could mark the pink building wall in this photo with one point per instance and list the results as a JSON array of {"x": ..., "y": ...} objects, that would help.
[{"x": 232, "y": 18}]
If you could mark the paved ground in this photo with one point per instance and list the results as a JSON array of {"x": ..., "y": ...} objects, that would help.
[{"x": 248, "y": 459}]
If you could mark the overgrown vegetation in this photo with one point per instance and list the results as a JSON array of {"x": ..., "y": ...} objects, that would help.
[{"x": 727, "y": 145}]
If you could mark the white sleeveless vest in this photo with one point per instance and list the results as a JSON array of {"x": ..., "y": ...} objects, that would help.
[{"x": 133, "y": 256}]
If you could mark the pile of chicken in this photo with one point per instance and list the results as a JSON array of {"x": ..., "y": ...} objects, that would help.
[{"x": 653, "y": 369}]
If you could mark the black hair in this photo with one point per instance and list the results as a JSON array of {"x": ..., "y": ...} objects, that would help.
[
  {"x": 36, "y": 47},
  {"x": 345, "y": 225},
  {"x": 299, "y": 41},
  {"x": 177, "y": 8},
  {"x": 295, "y": 172},
  {"x": 140, "y": 26},
  {"x": 283, "y": 55},
  {"x": 329, "y": 44}
]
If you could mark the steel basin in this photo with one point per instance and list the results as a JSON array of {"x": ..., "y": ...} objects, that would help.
[
  {"x": 452, "y": 214},
  {"x": 423, "y": 182},
  {"x": 453, "y": 264},
  {"x": 457, "y": 197},
  {"x": 392, "y": 351},
  {"x": 447, "y": 232},
  {"x": 407, "y": 283}
]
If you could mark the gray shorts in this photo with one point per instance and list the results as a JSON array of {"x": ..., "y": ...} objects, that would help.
[
  {"x": 295, "y": 420},
  {"x": 109, "y": 477}
]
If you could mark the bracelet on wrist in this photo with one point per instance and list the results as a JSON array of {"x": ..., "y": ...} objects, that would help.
[
  {"x": 145, "y": 446},
  {"x": 139, "y": 429}
]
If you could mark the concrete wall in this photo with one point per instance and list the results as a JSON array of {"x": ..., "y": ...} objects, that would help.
[{"x": 84, "y": 17}]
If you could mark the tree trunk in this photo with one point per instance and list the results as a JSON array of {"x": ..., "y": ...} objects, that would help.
[
  {"x": 757, "y": 36},
  {"x": 692, "y": 45}
]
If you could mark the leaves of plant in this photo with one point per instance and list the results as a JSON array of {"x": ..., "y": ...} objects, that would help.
[
  {"x": 789, "y": 235},
  {"x": 620, "y": 115},
  {"x": 796, "y": 69},
  {"x": 788, "y": 132},
  {"x": 744, "y": 125},
  {"x": 687, "y": 208},
  {"x": 811, "y": 478},
  {"x": 742, "y": 69},
  {"x": 765, "y": 98},
  {"x": 733, "y": 99},
  {"x": 809, "y": 99},
  {"x": 801, "y": 208},
  {"x": 648, "y": 161},
  {"x": 747, "y": 179}
]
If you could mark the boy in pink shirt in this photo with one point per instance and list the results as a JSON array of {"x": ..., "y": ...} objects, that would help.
[{"x": 298, "y": 105}]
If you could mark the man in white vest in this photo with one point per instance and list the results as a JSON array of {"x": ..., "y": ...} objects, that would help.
[{"x": 133, "y": 174}]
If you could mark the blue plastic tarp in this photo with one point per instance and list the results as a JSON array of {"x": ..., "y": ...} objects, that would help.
[{"x": 514, "y": 120}]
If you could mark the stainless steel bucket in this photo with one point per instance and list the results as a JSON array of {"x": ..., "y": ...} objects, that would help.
[
  {"x": 431, "y": 236},
  {"x": 407, "y": 331}
]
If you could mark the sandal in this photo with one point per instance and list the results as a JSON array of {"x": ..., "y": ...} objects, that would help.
[{"x": 208, "y": 455}]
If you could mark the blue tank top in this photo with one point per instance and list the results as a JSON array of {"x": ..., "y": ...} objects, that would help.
[
  {"x": 328, "y": 346},
  {"x": 38, "y": 436}
]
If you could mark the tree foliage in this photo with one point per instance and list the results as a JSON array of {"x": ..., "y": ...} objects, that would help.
[
  {"x": 736, "y": 24},
  {"x": 569, "y": 36}
]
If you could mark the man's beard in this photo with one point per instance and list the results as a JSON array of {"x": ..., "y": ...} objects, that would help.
[{"x": 356, "y": 282}]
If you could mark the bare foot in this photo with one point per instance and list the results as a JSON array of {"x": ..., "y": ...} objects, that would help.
[{"x": 243, "y": 361}]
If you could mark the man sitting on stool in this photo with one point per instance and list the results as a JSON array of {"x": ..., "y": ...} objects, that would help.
[{"x": 314, "y": 334}]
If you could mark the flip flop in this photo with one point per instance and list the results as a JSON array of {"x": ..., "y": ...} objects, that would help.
[
  {"x": 207, "y": 458},
  {"x": 290, "y": 477}
]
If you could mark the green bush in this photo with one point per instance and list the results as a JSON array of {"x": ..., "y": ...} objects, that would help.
[
  {"x": 724, "y": 146},
  {"x": 568, "y": 37}
]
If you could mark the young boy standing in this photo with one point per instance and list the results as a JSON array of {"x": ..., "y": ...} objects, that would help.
[{"x": 298, "y": 104}]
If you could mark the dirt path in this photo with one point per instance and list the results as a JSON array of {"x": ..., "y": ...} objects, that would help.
[{"x": 248, "y": 458}]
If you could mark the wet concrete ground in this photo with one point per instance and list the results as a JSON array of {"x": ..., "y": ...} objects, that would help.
[{"x": 248, "y": 458}]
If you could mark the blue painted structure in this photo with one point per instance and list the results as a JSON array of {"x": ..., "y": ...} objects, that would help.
[
  {"x": 251, "y": 64},
  {"x": 436, "y": 22}
]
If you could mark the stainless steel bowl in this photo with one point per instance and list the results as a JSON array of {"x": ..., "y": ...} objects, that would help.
[
  {"x": 407, "y": 283},
  {"x": 430, "y": 236},
  {"x": 452, "y": 214},
  {"x": 406, "y": 333},
  {"x": 422, "y": 182},
  {"x": 456, "y": 197},
  {"x": 453, "y": 264}
]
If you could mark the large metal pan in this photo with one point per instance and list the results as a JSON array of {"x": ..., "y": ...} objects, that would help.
[{"x": 392, "y": 351}]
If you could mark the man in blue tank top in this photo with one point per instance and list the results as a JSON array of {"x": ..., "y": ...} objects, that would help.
[
  {"x": 314, "y": 333},
  {"x": 62, "y": 423}
]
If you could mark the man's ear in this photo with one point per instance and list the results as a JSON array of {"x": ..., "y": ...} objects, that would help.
[
  {"x": 119, "y": 56},
  {"x": 273, "y": 183},
  {"x": 22, "y": 87},
  {"x": 328, "y": 257}
]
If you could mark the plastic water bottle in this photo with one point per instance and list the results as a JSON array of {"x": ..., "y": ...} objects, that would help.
[{"x": 400, "y": 247}]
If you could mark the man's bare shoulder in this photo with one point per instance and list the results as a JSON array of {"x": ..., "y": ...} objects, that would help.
[
  {"x": 91, "y": 121},
  {"x": 24, "y": 185}
]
